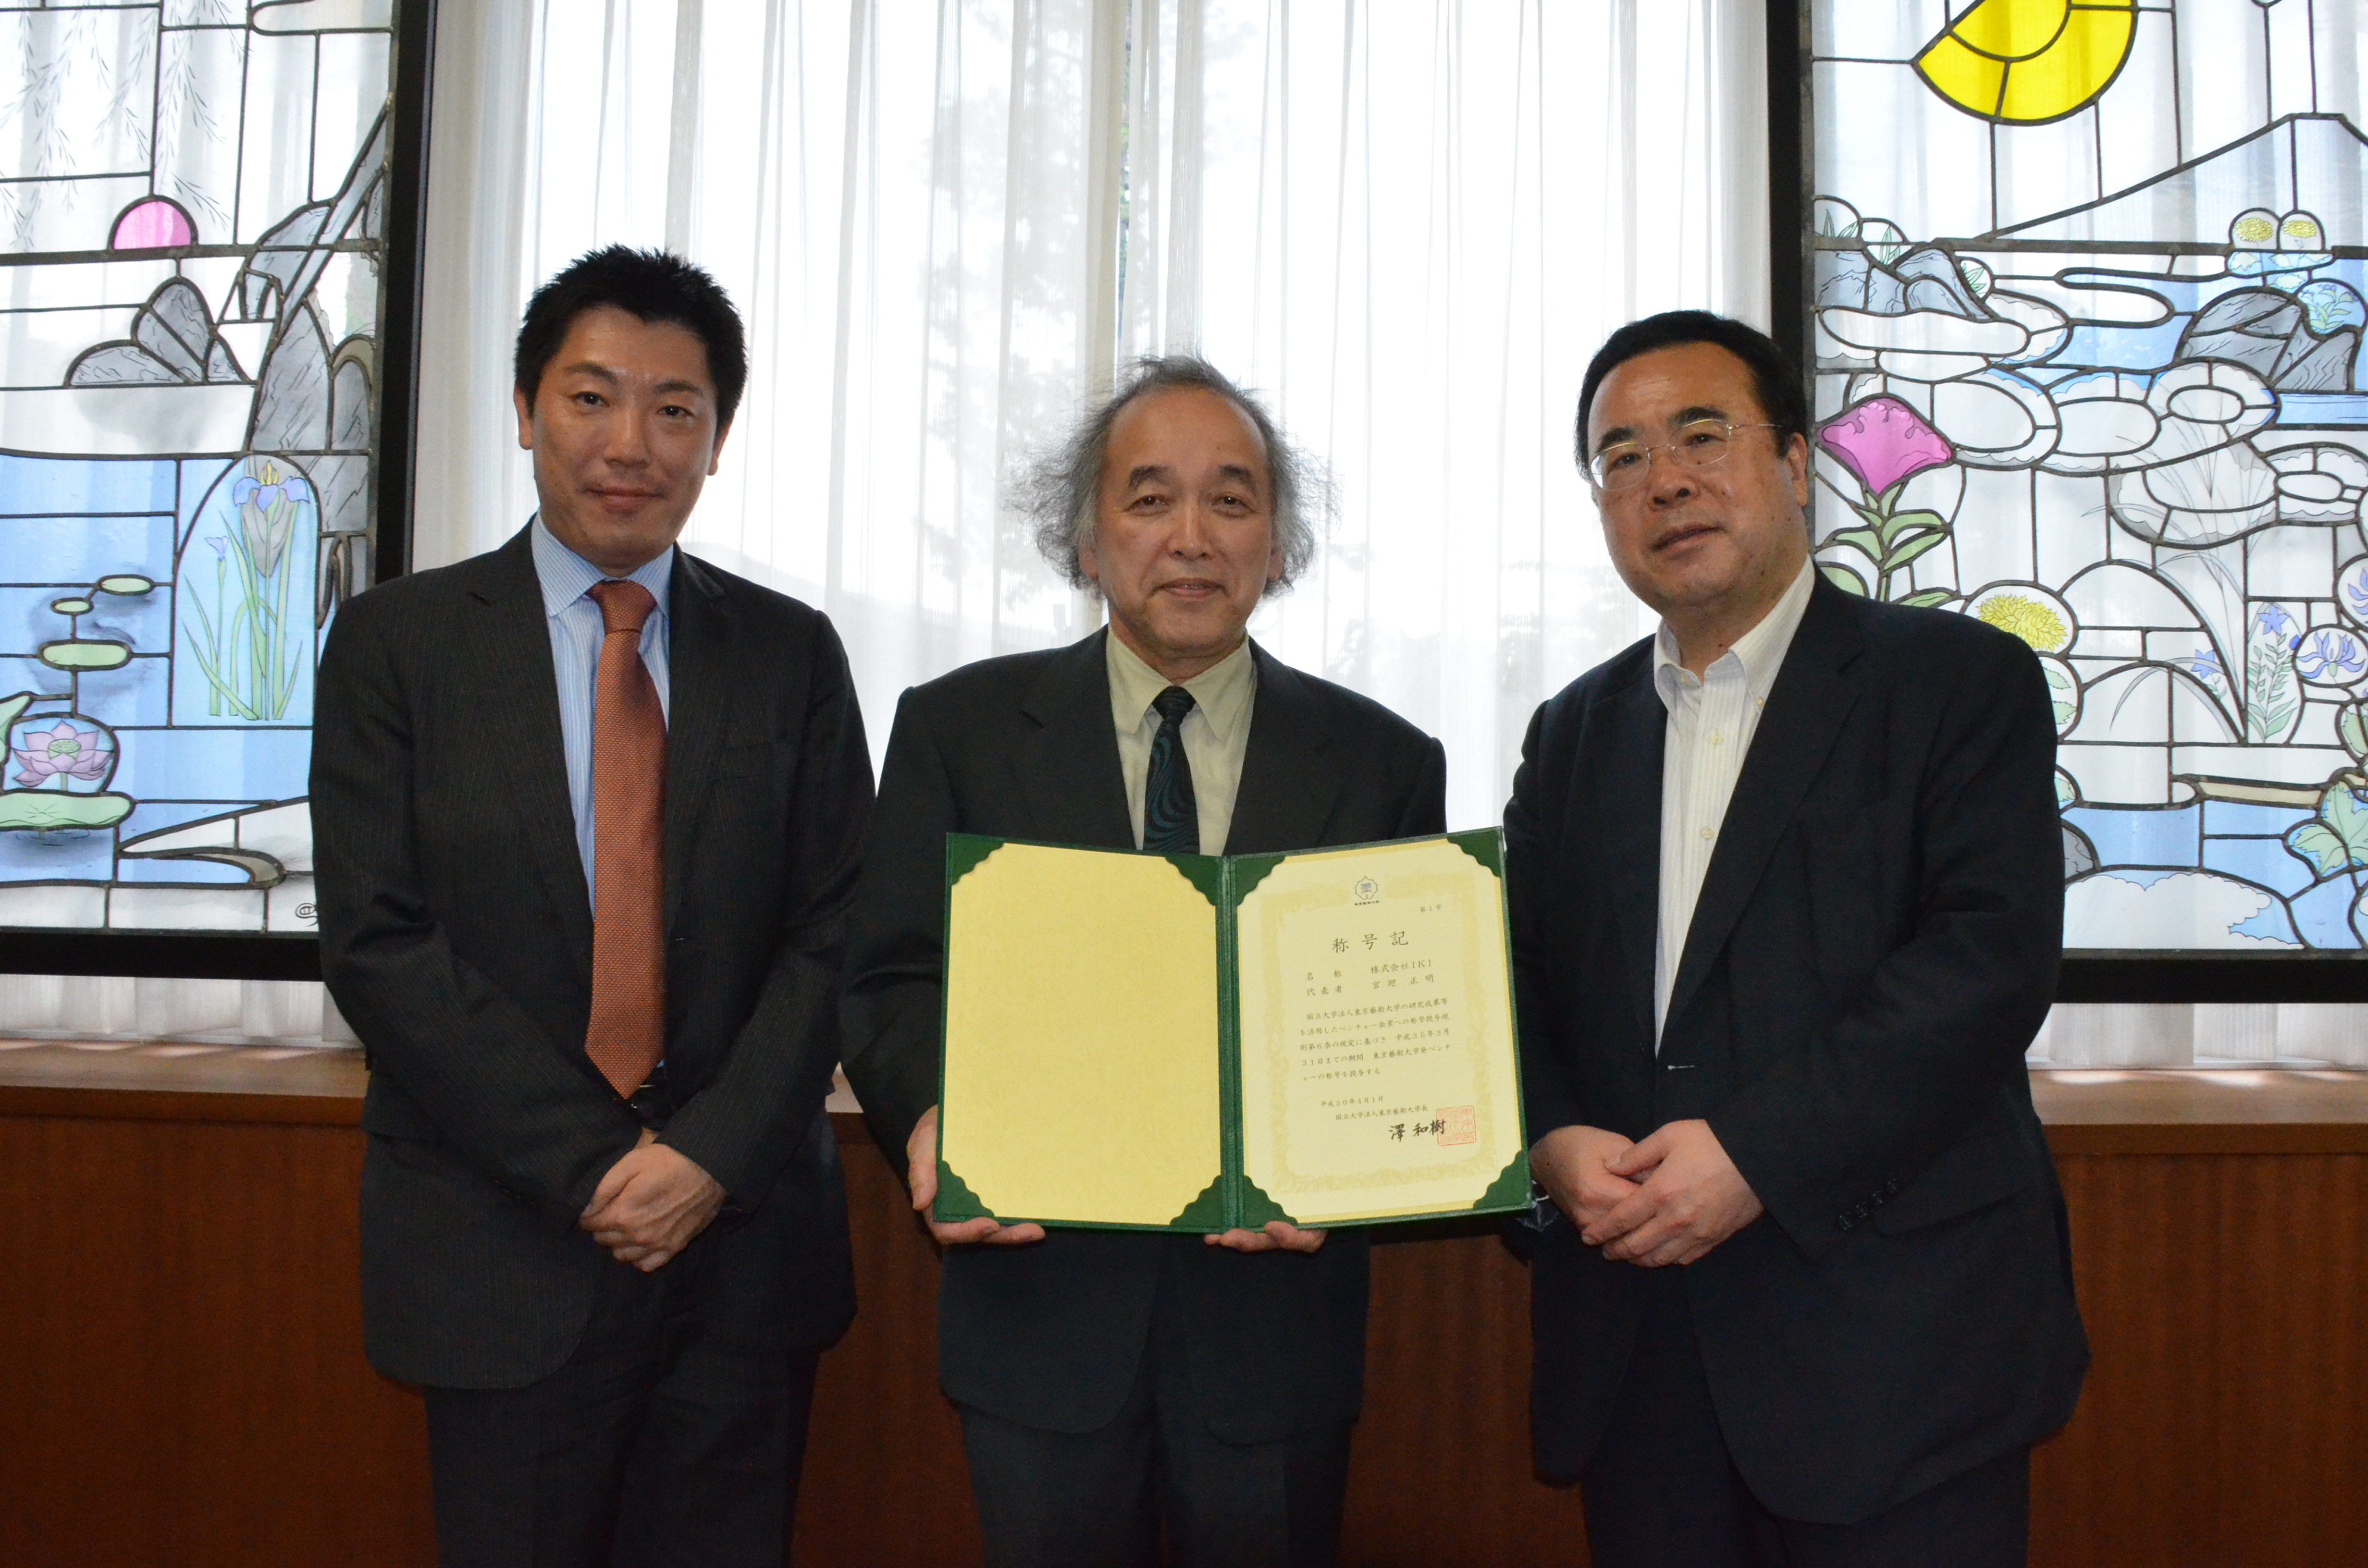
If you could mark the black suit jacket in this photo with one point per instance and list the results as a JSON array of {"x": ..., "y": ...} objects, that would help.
[
  {"x": 1875, "y": 945},
  {"x": 456, "y": 935},
  {"x": 1051, "y": 1335}
]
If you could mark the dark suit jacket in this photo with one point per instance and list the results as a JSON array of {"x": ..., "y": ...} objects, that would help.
[
  {"x": 456, "y": 935},
  {"x": 1875, "y": 946},
  {"x": 1051, "y": 1335}
]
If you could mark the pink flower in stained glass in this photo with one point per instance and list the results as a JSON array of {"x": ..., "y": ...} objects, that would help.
[
  {"x": 67, "y": 749},
  {"x": 1882, "y": 441},
  {"x": 153, "y": 224}
]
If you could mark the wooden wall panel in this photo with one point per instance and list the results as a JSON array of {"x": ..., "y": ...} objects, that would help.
[
  {"x": 1440, "y": 1471},
  {"x": 884, "y": 1479},
  {"x": 181, "y": 1373},
  {"x": 181, "y": 1379},
  {"x": 2226, "y": 1300}
]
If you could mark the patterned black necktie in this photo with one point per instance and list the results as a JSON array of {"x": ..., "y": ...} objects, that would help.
[{"x": 1171, "y": 817}]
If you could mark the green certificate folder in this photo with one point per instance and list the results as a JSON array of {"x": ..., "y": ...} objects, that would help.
[{"x": 1193, "y": 1042}]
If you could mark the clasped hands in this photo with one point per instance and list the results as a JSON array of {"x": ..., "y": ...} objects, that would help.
[
  {"x": 1669, "y": 1198},
  {"x": 650, "y": 1204},
  {"x": 921, "y": 1175}
]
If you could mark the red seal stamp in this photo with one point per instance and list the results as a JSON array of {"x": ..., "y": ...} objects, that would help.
[{"x": 1457, "y": 1124}]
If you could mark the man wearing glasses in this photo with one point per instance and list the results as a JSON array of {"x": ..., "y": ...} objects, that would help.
[{"x": 1787, "y": 900}]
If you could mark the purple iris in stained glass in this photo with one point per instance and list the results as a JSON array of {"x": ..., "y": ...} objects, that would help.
[
  {"x": 247, "y": 487},
  {"x": 2328, "y": 652},
  {"x": 266, "y": 512}
]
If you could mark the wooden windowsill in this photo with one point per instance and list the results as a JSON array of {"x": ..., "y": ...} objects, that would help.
[
  {"x": 148, "y": 1080},
  {"x": 2202, "y": 1112},
  {"x": 2087, "y": 1111}
]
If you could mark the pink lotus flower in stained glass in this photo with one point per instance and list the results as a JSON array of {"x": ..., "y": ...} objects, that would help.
[
  {"x": 67, "y": 750},
  {"x": 1883, "y": 442}
]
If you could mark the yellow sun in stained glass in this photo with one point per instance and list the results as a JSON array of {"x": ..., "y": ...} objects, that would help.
[{"x": 2024, "y": 62}]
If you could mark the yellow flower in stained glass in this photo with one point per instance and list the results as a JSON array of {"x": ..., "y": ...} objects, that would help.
[
  {"x": 2020, "y": 616},
  {"x": 2027, "y": 612},
  {"x": 2024, "y": 62}
]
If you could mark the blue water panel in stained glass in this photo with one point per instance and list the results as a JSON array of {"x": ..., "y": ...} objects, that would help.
[
  {"x": 2139, "y": 836},
  {"x": 2123, "y": 347},
  {"x": 25, "y": 674},
  {"x": 61, "y": 857},
  {"x": 2313, "y": 409},
  {"x": 254, "y": 764},
  {"x": 142, "y": 621},
  {"x": 81, "y": 550},
  {"x": 2323, "y": 916},
  {"x": 155, "y": 816},
  {"x": 2245, "y": 817},
  {"x": 26, "y": 621},
  {"x": 139, "y": 693},
  {"x": 197, "y": 478},
  {"x": 2263, "y": 860},
  {"x": 132, "y": 869},
  {"x": 145, "y": 624},
  {"x": 37, "y": 487}
]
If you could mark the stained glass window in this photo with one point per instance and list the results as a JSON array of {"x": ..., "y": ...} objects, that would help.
[
  {"x": 192, "y": 203},
  {"x": 2088, "y": 288}
]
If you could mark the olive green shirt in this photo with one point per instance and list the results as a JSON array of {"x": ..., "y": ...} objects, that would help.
[{"x": 1216, "y": 733}]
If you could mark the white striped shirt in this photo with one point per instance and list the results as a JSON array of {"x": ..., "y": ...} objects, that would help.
[{"x": 1711, "y": 720}]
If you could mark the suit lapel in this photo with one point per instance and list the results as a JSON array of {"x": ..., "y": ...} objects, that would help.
[
  {"x": 1813, "y": 695},
  {"x": 509, "y": 642},
  {"x": 1068, "y": 763},
  {"x": 698, "y": 688},
  {"x": 1630, "y": 810},
  {"x": 1286, "y": 796}
]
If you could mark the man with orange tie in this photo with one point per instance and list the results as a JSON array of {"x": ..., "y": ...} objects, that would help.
[{"x": 587, "y": 813}]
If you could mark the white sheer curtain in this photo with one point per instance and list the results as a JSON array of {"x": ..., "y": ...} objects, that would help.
[{"x": 1409, "y": 225}]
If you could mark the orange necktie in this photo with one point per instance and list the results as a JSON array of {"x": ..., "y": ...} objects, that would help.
[{"x": 627, "y": 1035}]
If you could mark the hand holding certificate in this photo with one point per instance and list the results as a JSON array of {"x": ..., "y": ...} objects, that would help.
[{"x": 1205, "y": 1043}]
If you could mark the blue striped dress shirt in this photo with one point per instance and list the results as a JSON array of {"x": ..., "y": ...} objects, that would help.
[{"x": 573, "y": 616}]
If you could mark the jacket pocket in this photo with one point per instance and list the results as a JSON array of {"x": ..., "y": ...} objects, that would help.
[{"x": 1973, "y": 1173}]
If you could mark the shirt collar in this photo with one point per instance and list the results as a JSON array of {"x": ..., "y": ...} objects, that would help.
[
  {"x": 1759, "y": 653},
  {"x": 1222, "y": 692},
  {"x": 565, "y": 575}
]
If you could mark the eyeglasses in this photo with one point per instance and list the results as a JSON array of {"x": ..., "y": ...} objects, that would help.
[{"x": 1703, "y": 443}]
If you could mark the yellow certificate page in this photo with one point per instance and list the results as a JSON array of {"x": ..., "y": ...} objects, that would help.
[
  {"x": 1081, "y": 1080},
  {"x": 1378, "y": 1072}
]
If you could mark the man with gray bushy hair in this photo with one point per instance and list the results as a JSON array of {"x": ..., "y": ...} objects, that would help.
[
  {"x": 1061, "y": 491},
  {"x": 1117, "y": 1388}
]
